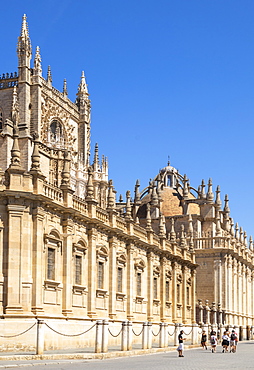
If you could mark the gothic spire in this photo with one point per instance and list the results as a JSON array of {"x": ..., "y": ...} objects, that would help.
[
  {"x": 49, "y": 76},
  {"x": 82, "y": 87},
  {"x": 24, "y": 49}
]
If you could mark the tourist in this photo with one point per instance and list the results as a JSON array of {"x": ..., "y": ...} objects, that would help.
[
  {"x": 225, "y": 341},
  {"x": 233, "y": 341},
  {"x": 180, "y": 346},
  {"x": 213, "y": 341},
  {"x": 204, "y": 340}
]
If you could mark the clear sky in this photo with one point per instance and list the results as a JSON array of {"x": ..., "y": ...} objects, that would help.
[{"x": 166, "y": 78}]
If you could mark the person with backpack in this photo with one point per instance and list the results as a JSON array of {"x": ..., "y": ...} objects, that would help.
[
  {"x": 233, "y": 341},
  {"x": 213, "y": 341},
  {"x": 225, "y": 341},
  {"x": 204, "y": 340}
]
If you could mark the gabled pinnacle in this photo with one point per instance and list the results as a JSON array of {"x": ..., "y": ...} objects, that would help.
[
  {"x": 65, "y": 91},
  {"x": 49, "y": 76},
  {"x": 24, "y": 28},
  {"x": 82, "y": 87},
  {"x": 24, "y": 44}
]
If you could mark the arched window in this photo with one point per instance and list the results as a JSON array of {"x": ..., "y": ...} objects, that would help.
[{"x": 56, "y": 134}]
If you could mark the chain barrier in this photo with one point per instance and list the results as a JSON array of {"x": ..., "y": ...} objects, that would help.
[
  {"x": 189, "y": 332},
  {"x": 113, "y": 334},
  {"x": 172, "y": 333},
  {"x": 70, "y": 335},
  {"x": 16, "y": 335},
  {"x": 137, "y": 335},
  {"x": 156, "y": 335}
]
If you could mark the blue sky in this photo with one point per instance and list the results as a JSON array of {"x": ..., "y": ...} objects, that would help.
[{"x": 166, "y": 78}]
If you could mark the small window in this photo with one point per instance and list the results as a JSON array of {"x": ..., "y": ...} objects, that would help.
[
  {"x": 119, "y": 279},
  {"x": 78, "y": 269},
  {"x": 155, "y": 288},
  {"x": 100, "y": 275},
  {"x": 167, "y": 291},
  {"x": 56, "y": 134},
  {"x": 188, "y": 295},
  {"x": 51, "y": 264},
  {"x": 138, "y": 283}
]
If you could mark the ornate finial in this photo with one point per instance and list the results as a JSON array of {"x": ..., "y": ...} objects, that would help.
[
  {"x": 137, "y": 193},
  {"x": 37, "y": 62},
  {"x": 154, "y": 196},
  {"x": 168, "y": 160},
  {"x": 90, "y": 188},
  {"x": 237, "y": 231},
  {"x": 148, "y": 217},
  {"x": 49, "y": 76},
  {"x": 251, "y": 243},
  {"x": 65, "y": 91},
  {"x": 162, "y": 228},
  {"x": 172, "y": 232},
  {"x": 128, "y": 204},
  {"x": 190, "y": 226},
  {"x": 209, "y": 195},
  {"x": 226, "y": 207},
  {"x": 232, "y": 227},
  {"x": 111, "y": 195},
  {"x": 82, "y": 87},
  {"x": 15, "y": 152},
  {"x": 66, "y": 170},
  {"x": 241, "y": 234},
  {"x": 218, "y": 200},
  {"x": 15, "y": 107},
  {"x": 35, "y": 167},
  {"x": 245, "y": 239},
  {"x": 202, "y": 194},
  {"x": 120, "y": 198},
  {"x": 185, "y": 187},
  {"x": 182, "y": 237}
]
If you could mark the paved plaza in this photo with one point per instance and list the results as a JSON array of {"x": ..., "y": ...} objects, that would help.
[{"x": 194, "y": 359}]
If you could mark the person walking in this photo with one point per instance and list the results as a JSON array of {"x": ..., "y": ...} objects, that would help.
[
  {"x": 233, "y": 341},
  {"x": 181, "y": 345},
  {"x": 213, "y": 341},
  {"x": 225, "y": 341},
  {"x": 204, "y": 340}
]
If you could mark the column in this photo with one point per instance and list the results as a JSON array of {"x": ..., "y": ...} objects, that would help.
[
  {"x": 112, "y": 276},
  {"x": 67, "y": 265},
  {"x": 14, "y": 259},
  {"x": 174, "y": 293},
  {"x": 92, "y": 273},
  {"x": 130, "y": 279},
  {"x": 150, "y": 257},
  {"x": 163, "y": 262},
  {"x": 184, "y": 294},
  {"x": 193, "y": 296},
  {"x": 1, "y": 266},
  {"x": 38, "y": 261}
]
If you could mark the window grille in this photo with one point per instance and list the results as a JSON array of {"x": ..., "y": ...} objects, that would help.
[
  {"x": 155, "y": 288},
  {"x": 51, "y": 264},
  {"x": 139, "y": 283},
  {"x": 100, "y": 275},
  {"x": 78, "y": 269},
  {"x": 119, "y": 279}
]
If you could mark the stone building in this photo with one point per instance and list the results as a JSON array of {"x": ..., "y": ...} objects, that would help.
[
  {"x": 225, "y": 275},
  {"x": 69, "y": 254}
]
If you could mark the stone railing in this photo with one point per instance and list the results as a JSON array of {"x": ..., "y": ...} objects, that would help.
[
  {"x": 102, "y": 215},
  {"x": 52, "y": 192},
  {"x": 79, "y": 204},
  {"x": 121, "y": 224}
]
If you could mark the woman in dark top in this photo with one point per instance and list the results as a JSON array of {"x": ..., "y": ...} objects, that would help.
[{"x": 204, "y": 340}]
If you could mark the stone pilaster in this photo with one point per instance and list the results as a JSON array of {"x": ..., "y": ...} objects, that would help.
[
  {"x": 92, "y": 278},
  {"x": 150, "y": 258},
  {"x": 130, "y": 280},
  {"x": 67, "y": 266},
  {"x": 174, "y": 292},
  {"x": 112, "y": 276},
  {"x": 184, "y": 295},
  {"x": 163, "y": 263}
]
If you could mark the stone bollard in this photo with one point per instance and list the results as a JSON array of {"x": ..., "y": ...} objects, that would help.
[
  {"x": 105, "y": 336},
  {"x": 162, "y": 335},
  {"x": 194, "y": 334},
  {"x": 144, "y": 336},
  {"x": 129, "y": 335},
  {"x": 176, "y": 334},
  {"x": 98, "y": 338},
  {"x": 40, "y": 337},
  {"x": 124, "y": 344},
  {"x": 149, "y": 335},
  {"x": 165, "y": 334}
]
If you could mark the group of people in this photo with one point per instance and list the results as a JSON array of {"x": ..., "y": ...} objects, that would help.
[{"x": 228, "y": 341}]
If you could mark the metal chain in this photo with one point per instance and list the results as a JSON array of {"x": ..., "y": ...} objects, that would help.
[
  {"x": 113, "y": 334},
  {"x": 155, "y": 335},
  {"x": 70, "y": 335},
  {"x": 189, "y": 332},
  {"x": 172, "y": 333},
  {"x": 137, "y": 335},
  {"x": 16, "y": 335}
]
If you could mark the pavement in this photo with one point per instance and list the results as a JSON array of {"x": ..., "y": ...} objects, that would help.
[{"x": 194, "y": 358}]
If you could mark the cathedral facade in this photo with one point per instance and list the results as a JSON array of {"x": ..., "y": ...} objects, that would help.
[{"x": 69, "y": 253}]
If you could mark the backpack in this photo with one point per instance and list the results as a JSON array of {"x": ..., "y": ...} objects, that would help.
[
  {"x": 213, "y": 341},
  {"x": 233, "y": 336}
]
